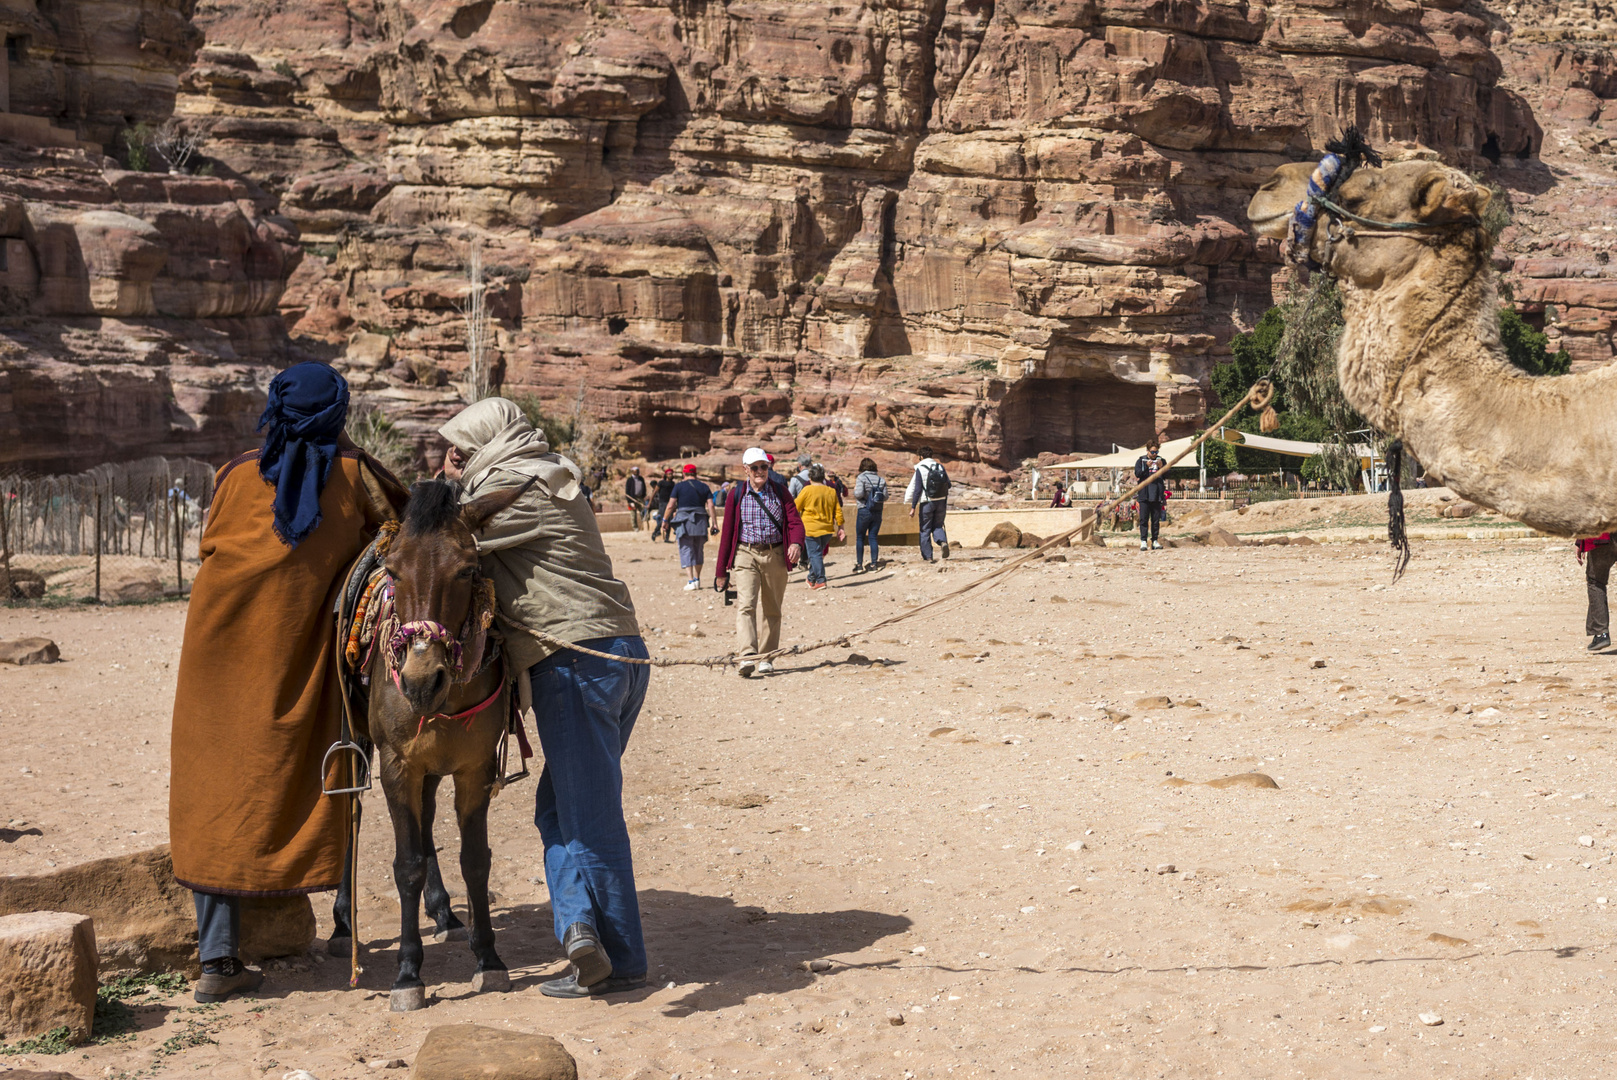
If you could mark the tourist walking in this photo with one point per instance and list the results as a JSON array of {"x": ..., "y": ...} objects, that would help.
[
  {"x": 801, "y": 480},
  {"x": 928, "y": 494},
  {"x": 258, "y": 701},
  {"x": 762, "y": 539},
  {"x": 720, "y": 495},
  {"x": 820, "y": 507},
  {"x": 687, "y": 517},
  {"x": 659, "y": 502},
  {"x": 1597, "y": 556},
  {"x": 870, "y": 492},
  {"x": 634, "y": 491},
  {"x": 551, "y": 573},
  {"x": 1153, "y": 497}
]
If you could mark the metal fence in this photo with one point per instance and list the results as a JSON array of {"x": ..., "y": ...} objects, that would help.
[{"x": 115, "y": 534}]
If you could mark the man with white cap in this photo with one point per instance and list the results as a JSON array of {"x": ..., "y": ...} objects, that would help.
[{"x": 761, "y": 541}]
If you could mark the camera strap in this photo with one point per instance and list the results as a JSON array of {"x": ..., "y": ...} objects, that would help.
[{"x": 768, "y": 513}]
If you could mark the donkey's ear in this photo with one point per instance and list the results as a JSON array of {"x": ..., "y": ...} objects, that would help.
[{"x": 481, "y": 510}]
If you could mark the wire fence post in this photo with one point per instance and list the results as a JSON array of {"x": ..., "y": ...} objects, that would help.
[
  {"x": 179, "y": 544},
  {"x": 98, "y": 545},
  {"x": 5, "y": 546}
]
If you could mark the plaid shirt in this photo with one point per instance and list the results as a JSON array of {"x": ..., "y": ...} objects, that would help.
[{"x": 756, "y": 528}]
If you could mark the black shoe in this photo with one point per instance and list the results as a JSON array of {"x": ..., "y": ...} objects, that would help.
[
  {"x": 1601, "y": 641},
  {"x": 221, "y": 978},
  {"x": 944, "y": 547},
  {"x": 584, "y": 952},
  {"x": 857, "y": 569},
  {"x": 568, "y": 987}
]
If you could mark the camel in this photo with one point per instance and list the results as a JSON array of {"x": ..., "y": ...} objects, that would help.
[{"x": 1420, "y": 356}]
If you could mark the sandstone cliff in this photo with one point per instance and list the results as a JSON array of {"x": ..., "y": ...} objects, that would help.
[
  {"x": 138, "y": 311},
  {"x": 996, "y": 226}
]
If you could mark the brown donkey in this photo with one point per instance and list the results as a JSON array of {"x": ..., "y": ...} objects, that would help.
[{"x": 439, "y": 706}]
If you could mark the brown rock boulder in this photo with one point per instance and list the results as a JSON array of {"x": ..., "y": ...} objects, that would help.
[
  {"x": 47, "y": 974},
  {"x": 471, "y": 1052},
  {"x": 22, "y": 584},
  {"x": 1222, "y": 538},
  {"x": 146, "y": 920},
  {"x": 29, "y": 650},
  {"x": 1003, "y": 535}
]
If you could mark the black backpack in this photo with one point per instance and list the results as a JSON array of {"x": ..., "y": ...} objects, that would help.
[{"x": 935, "y": 482}]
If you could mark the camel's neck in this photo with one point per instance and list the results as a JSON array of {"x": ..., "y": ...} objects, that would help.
[
  {"x": 1398, "y": 335},
  {"x": 1421, "y": 360}
]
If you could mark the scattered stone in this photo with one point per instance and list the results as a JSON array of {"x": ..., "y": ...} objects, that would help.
[
  {"x": 747, "y": 800},
  {"x": 1166, "y": 868},
  {"x": 1317, "y": 662},
  {"x": 1378, "y": 1029},
  {"x": 1245, "y": 780},
  {"x": 896, "y": 1019},
  {"x": 1445, "y": 939},
  {"x": 1586, "y": 841},
  {"x": 29, "y": 650},
  {"x": 1158, "y": 701},
  {"x": 1221, "y": 538},
  {"x": 23, "y": 584},
  {"x": 386, "y": 1063},
  {"x": 1116, "y": 716},
  {"x": 1077, "y": 845},
  {"x": 1059, "y": 599},
  {"x": 146, "y": 920},
  {"x": 472, "y": 1052},
  {"x": 1003, "y": 535},
  {"x": 47, "y": 974},
  {"x": 1431, "y": 1019},
  {"x": 1302, "y": 541}
]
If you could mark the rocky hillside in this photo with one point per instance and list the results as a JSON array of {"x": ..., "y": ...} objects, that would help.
[
  {"x": 1559, "y": 56},
  {"x": 997, "y": 226},
  {"x": 138, "y": 310}
]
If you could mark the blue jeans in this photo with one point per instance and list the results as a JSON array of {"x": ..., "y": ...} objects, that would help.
[
  {"x": 932, "y": 524},
  {"x": 585, "y": 708},
  {"x": 218, "y": 926},
  {"x": 814, "y": 547},
  {"x": 866, "y": 526}
]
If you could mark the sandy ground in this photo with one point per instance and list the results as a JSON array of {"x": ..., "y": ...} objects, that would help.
[{"x": 983, "y": 835}]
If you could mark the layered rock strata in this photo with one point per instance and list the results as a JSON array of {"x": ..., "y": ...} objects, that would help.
[
  {"x": 139, "y": 311},
  {"x": 996, "y": 227}
]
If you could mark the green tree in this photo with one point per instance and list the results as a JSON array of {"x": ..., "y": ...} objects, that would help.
[{"x": 1529, "y": 349}]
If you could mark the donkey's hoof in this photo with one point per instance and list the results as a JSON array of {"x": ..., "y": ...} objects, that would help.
[
  {"x": 340, "y": 946},
  {"x": 408, "y": 999},
  {"x": 494, "y": 980},
  {"x": 454, "y": 933}
]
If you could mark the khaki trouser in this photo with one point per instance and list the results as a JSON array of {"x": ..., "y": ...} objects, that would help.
[{"x": 759, "y": 577}]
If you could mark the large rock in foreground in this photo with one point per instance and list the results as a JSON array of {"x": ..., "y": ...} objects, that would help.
[
  {"x": 47, "y": 975},
  {"x": 470, "y": 1052},
  {"x": 146, "y": 920}
]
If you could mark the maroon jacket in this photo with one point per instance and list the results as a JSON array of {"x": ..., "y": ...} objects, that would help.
[{"x": 730, "y": 538}]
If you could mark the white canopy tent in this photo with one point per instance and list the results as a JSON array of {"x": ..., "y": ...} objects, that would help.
[
  {"x": 1125, "y": 459},
  {"x": 1289, "y": 447}
]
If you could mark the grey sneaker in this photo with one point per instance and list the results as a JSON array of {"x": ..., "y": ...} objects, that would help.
[
  {"x": 584, "y": 952},
  {"x": 747, "y": 668},
  {"x": 765, "y": 668}
]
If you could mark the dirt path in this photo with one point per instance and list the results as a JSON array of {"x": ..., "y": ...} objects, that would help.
[{"x": 978, "y": 838}]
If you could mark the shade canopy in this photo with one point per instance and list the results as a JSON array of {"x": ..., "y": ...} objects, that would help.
[{"x": 1125, "y": 459}]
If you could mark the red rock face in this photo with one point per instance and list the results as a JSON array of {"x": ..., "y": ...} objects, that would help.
[
  {"x": 1558, "y": 253},
  {"x": 996, "y": 227},
  {"x": 139, "y": 312}
]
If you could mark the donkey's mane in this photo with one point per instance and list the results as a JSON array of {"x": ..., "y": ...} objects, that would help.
[{"x": 434, "y": 505}]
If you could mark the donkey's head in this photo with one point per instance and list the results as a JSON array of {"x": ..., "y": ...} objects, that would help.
[{"x": 433, "y": 561}]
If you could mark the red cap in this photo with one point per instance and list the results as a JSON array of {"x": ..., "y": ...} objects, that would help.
[{"x": 689, "y": 469}]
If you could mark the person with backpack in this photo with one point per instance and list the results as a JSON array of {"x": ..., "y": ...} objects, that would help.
[
  {"x": 870, "y": 492},
  {"x": 761, "y": 541},
  {"x": 1602, "y": 553},
  {"x": 928, "y": 493},
  {"x": 661, "y": 525}
]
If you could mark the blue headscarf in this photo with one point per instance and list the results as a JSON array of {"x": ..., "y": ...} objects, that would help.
[{"x": 308, "y": 404}]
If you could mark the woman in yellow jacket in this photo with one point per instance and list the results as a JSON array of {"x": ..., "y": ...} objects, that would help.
[{"x": 821, "y": 509}]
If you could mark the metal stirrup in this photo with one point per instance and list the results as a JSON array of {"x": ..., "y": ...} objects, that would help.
[{"x": 362, "y": 768}]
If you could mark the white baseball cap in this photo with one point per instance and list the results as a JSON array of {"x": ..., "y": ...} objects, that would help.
[{"x": 754, "y": 456}]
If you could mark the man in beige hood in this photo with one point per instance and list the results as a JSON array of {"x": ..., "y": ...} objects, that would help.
[{"x": 551, "y": 573}]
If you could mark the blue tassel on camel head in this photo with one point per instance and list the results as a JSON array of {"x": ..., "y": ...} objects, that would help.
[{"x": 1342, "y": 157}]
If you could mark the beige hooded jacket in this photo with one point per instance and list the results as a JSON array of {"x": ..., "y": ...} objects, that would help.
[{"x": 544, "y": 555}]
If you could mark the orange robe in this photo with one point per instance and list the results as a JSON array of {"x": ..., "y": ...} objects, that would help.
[{"x": 258, "y": 702}]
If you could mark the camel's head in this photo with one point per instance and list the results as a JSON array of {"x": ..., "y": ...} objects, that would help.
[{"x": 1438, "y": 198}]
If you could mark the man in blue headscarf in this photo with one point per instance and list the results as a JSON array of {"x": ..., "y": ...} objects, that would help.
[{"x": 258, "y": 701}]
